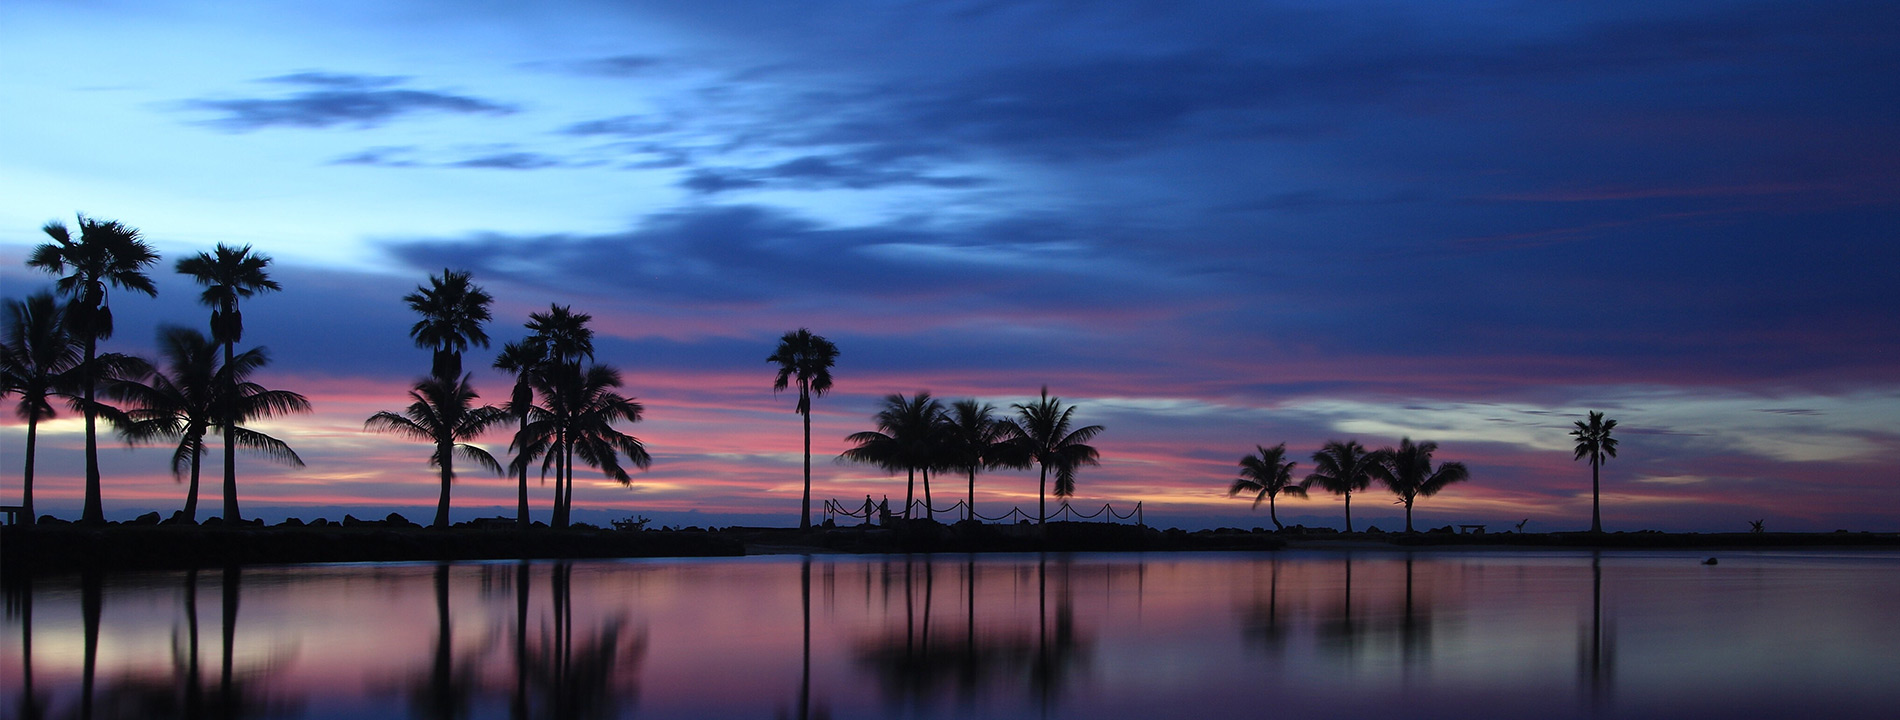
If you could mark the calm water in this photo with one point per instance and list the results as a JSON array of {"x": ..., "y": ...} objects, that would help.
[{"x": 1292, "y": 634}]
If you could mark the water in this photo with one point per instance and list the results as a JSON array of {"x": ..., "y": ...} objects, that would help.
[{"x": 1290, "y": 634}]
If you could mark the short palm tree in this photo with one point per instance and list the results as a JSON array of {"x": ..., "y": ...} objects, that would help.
[
  {"x": 1042, "y": 433},
  {"x": 1407, "y": 471},
  {"x": 805, "y": 359},
  {"x": 189, "y": 398},
  {"x": 975, "y": 439},
  {"x": 39, "y": 360},
  {"x": 107, "y": 254},
  {"x": 1594, "y": 442},
  {"x": 453, "y": 310},
  {"x": 228, "y": 275},
  {"x": 523, "y": 360},
  {"x": 1341, "y": 468},
  {"x": 582, "y": 408},
  {"x": 903, "y": 440},
  {"x": 1267, "y": 475},
  {"x": 443, "y": 413}
]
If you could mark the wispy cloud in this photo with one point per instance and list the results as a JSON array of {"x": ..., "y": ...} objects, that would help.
[{"x": 332, "y": 99}]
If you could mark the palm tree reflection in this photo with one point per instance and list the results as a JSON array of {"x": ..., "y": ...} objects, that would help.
[
  {"x": 1596, "y": 650},
  {"x": 596, "y": 678},
  {"x": 914, "y": 667}
]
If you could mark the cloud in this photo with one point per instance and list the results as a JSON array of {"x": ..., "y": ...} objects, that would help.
[
  {"x": 615, "y": 66},
  {"x": 337, "y": 99},
  {"x": 813, "y": 172}
]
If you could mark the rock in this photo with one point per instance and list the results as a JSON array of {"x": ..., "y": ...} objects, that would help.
[{"x": 1710, "y": 561}]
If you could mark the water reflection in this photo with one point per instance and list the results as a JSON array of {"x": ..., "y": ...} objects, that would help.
[{"x": 1386, "y": 634}]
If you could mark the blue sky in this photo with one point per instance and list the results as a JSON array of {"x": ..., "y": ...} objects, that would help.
[{"x": 1212, "y": 225}]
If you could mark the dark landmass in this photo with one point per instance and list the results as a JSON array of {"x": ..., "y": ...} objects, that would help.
[{"x": 62, "y": 547}]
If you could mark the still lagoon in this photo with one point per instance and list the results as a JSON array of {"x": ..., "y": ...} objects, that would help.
[{"x": 1311, "y": 633}]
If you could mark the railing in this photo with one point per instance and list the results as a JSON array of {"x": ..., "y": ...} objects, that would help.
[{"x": 867, "y": 511}]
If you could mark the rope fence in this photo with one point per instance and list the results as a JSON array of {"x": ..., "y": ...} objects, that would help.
[{"x": 867, "y": 512}]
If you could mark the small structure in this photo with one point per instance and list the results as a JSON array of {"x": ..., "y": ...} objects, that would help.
[{"x": 1473, "y": 529}]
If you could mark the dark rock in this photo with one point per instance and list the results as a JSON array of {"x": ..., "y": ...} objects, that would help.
[{"x": 150, "y": 518}]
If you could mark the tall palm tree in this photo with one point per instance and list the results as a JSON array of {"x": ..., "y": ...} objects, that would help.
[
  {"x": 1594, "y": 442},
  {"x": 228, "y": 275},
  {"x": 562, "y": 338},
  {"x": 1267, "y": 475},
  {"x": 107, "y": 254},
  {"x": 904, "y": 439},
  {"x": 523, "y": 360},
  {"x": 1341, "y": 468},
  {"x": 39, "y": 360},
  {"x": 1407, "y": 471},
  {"x": 1042, "y": 433},
  {"x": 198, "y": 394},
  {"x": 453, "y": 310},
  {"x": 443, "y": 413},
  {"x": 975, "y": 439},
  {"x": 806, "y": 359}
]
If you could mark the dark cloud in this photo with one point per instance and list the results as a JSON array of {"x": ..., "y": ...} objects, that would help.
[
  {"x": 334, "y": 99},
  {"x": 512, "y": 161},
  {"x": 406, "y": 157},
  {"x": 813, "y": 172},
  {"x": 617, "y": 66}
]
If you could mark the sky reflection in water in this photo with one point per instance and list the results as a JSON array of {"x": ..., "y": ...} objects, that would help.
[{"x": 1362, "y": 634}]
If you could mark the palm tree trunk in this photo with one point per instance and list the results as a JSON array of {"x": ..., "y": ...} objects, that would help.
[
  {"x": 969, "y": 507},
  {"x": 191, "y": 492},
  {"x": 448, "y": 469},
  {"x": 91, "y": 597},
  {"x": 26, "y": 484},
  {"x": 1596, "y": 516},
  {"x": 229, "y": 414},
  {"x": 804, "y": 508},
  {"x": 94, "y": 512},
  {"x": 229, "y": 608},
  {"x": 910, "y": 484},
  {"x": 1348, "y": 511},
  {"x": 930, "y": 510},
  {"x": 521, "y": 493},
  {"x": 1408, "y": 518},
  {"x": 1042, "y": 503},
  {"x": 1272, "y": 515}
]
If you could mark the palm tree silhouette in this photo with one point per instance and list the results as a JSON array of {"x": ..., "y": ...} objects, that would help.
[
  {"x": 523, "y": 360},
  {"x": 1408, "y": 471},
  {"x": 562, "y": 338},
  {"x": 39, "y": 360},
  {"x": 1341, "y": 468},
  {"x": 1267, "y": 475},
  {"x": 453, "y": 310},
  {"x": 594, "y": 407},
  {"x": 1594, "y": 442},
  {"x": 806, "y": 359},
  {"x": 903, "y": 440},
  {"x": 199, "y": 394},
  {"x": 444, "y": 414},
  {"x": 107, "y": 254},
  {"x": 975, "y": 439},
  {"x": 228, "y": 275},
  {"x": 1041, "y": 432}
]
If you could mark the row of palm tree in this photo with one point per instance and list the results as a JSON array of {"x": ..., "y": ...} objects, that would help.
[
  {"x": 51, "y": 351},
  {"x": 919, "y": 434},
  {"x": 1344, "y": 468},
  {"x": 563, "y": 412}
]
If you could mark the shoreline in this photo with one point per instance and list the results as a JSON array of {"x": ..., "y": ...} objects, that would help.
[{"x": 52, "y": 549}]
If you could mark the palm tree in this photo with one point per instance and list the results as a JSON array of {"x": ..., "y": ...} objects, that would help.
[
  {"x": 1408, "y": 471},
  {"x": 107, "y": 254},
  {"x": 444, "y": 413},
  {"x": 523, "y": 359},
  {"x": 1341, "y": 468},
  {"x": 200, "y": 394},
  {"x": 230, "y": 274},
  {"x": 562, "y": 339},
  {"x": 594, "y": 407},
  {"x": 1267, "y": 475},
  {"x": 903, "y": 440},
  {"x": 1041, "y": 433},
  {"x": 806, "y": 359},
  {"x": 39, "y": 360},
  {"x": 453, "y": 310},
  {"x": 1594, "y": 442},
  {"x": 974, "y": 439}
]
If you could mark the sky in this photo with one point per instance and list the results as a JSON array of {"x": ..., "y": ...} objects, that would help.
[{"x": 1209, "y": 226}]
